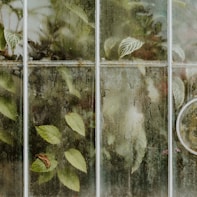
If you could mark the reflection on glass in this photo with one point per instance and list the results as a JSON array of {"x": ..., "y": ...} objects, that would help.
[
  {"x": 134, "y": 135},
  {"x": 185, "y": 175},
  {"x": 62, "y": 131},
  {"x": 185, "y": 30},
  {"x": 61, "y": 30},
  {"x": 186, "y": 126},
  {"x": 133, "y": 29},
  {"x": 11, "y": 24},
  {"x": 10, "y": 132}
]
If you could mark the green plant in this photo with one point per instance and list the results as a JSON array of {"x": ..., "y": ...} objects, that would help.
[
  {"x": 10, "y": 29},
  {"x": 10, "y": 111},
  {"x": 49, "y": 163},
  {"x": 69, "y": 32},
  {"x": 131, "y": 31},
  {"x": 61, "y": 149},
  {"x": 11, "y": 25}
]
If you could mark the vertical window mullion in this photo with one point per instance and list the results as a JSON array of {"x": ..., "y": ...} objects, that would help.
[
  {"x": 25, "y": 104},
  {"x": 98, "y": 105},
  {"x": 170, "y": 103}
]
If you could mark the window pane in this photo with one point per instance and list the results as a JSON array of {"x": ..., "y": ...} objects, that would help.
[
  {"x": 133, "y": 29},
  {"x": 11, "y": 27},
  {"x": 62, "y": 130},
  {"x": 61, "y": 30},
  {"x": 11, "y": 142},
  {"x": 185, "y": 30},
  {"x": 185, "y": 175},
  {"x": 134, "y": 136}
]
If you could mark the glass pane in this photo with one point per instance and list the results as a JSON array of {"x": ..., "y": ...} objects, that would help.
[
  {"x": 62, "y": 152},
  {"x": 185, "y": 30},
  {"x": 11, "y": 142},
  {"x": 134, "y": 135},
  {"x": 133, "y": 29},
  {"x": 184, "y": 90},
  {"x": 11, "y": 27},
  {"x": 61, "y": 30}
]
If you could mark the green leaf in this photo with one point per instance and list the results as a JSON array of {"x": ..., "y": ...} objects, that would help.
[
  {"x": 2, "y": 38},
  {"x": 45, "y": 177},
  {"x": 128, "y": 5},
  {"x": 78, "y": 11},
  {"x": 180, "y": 3},
  {"x": 106, "y": 154},
  {"x": 69, "y": 81},
  {"x": 178, "y": 89},
  {"x": 179, "y": 51},
  {"x": 7, "y": 82},
  {"x": 109, "y": 44},
  {"x": 39, "y": 166},
  {"x": 8, "y": 108},
  {"x": 6, "y": 137},
  {"x": 12, "y": 39},
  {"x": 140, "y": 148},
  {"x": 76, "y": 123},
  {"x": 49, "y": 133},
  {"x": 129, "y": 45},
  {"x": 76, "y": 159},
  {"x": 69, "y": 179}
]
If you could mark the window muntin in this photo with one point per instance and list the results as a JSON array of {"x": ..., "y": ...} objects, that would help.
[{"x": 150, "y": 75}]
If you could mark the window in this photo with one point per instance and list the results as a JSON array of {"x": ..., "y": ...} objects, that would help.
[{"x": 98, "y": 98}]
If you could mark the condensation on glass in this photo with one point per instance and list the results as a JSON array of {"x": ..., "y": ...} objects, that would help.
[
  {"x": 134, "y": 139},
  {"x": 184, "y": 90},
  {"x": 61, "y": 102},
  {"x": 11, "y": 116},
  {"x": 184, "y": 30},
  {"x": 11, "y": 139},
  {"x": 134, "y": 152},
  {"x": 61, "y": 30},
  {"x": 11, "y": 28},
  {"x": 133, "y": 30},
  {"x": 184, "y": 162},
  {"x": 134, "y": 97}
]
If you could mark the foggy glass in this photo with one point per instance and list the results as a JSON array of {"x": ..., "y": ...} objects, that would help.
[
  {"x": 11, "y": 28},
  {"x": 184, "y": 162},
  {"x": 61, "y": 30},
  {"x": 54, "y": 94},
  {"x": 184, "y": 30},
  {"x": 133, "y": 30},
  {"x": 11, "y": 131},
  {"x": 134, "y": 133},
  {"x": 134, "y": 97}
]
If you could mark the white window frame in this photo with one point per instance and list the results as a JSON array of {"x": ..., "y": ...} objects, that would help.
[{"x": 98, "y": 105}]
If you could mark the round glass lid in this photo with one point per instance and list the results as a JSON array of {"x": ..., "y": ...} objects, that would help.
[{"x": 186, "y": 126}]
